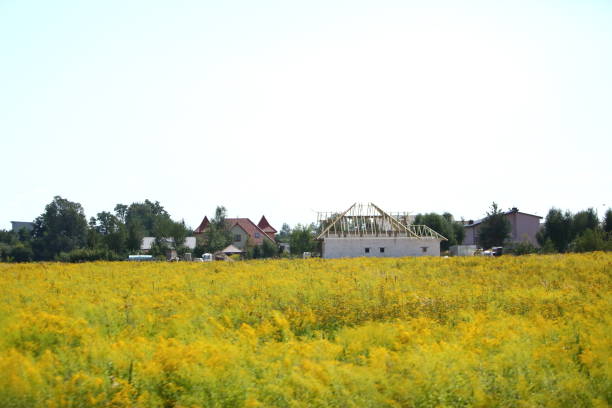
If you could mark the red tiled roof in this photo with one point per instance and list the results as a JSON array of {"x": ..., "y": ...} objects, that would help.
[
  {"x": 246, "y": 224},
  {"x": 203, "y": 225},
  {"x": 265, "y": 225},
  {"x": 249, "y": 227}
]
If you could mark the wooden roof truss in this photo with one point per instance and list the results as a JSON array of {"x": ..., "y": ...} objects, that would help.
[{"x": 368, "y": 220}]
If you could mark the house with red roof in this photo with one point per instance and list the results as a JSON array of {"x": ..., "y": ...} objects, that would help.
[
  {"x": 243, "y": 231},
  {"x": 266, "y": 227}
]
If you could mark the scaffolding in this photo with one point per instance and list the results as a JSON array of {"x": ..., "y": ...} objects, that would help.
[{"x": 368, "y": 220}]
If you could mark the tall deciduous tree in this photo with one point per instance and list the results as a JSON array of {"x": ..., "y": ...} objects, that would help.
[
  {"x": 218, "y": 236},
  {"x": 135, "y": 234},
  {"x": 178, "y": 232},
  {"x": 149, "y": 214},
  {"x": 121, "y": 212},
  {"x": 557, "y": 229},
  {"x": 113, "y": 232},
  {"x": 61, "y": 228},
  {"x": 582, "y": 221},
  {"x": 494, "y": 229},
  {"x": 301, "y": 240},
  {"x": 285, "y": 232},
  {"x": 443, "y": 224},
  {"x": 607, "y": 223}
]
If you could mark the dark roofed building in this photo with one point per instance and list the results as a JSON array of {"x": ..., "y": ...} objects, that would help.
[{"x": 524, "y": 228}]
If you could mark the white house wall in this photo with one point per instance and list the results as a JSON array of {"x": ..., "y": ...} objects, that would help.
[{"x": 394, "y": 247}]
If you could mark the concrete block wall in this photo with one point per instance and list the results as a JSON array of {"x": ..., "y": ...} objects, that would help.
[{"x": 393, "y": 247}]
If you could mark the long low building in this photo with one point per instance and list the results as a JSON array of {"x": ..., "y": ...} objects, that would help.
[{"x": 367, "y": 231}]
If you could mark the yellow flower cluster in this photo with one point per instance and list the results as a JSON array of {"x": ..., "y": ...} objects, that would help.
[{"x": 408, "y": 332}]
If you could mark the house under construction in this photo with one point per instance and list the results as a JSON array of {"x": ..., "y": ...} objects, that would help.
[{"x": 366, "y": 230}]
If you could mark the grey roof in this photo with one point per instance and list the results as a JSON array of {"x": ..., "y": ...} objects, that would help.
[
  {"x": 17, "y": 225},
  {"x": 505, "y": 213}
]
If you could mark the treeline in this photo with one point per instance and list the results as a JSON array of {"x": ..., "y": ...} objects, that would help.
[
  {"x": 579, "y": 232},
  {"x": 561, "y": 232},
  {"x": 300, "y": 238},
  {"x": 63, "y": 233}
]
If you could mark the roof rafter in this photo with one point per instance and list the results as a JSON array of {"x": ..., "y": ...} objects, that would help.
[{"x": 370, "y": 220}]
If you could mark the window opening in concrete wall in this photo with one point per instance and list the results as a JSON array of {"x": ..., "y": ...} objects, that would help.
[
  {"x": 382, "y": 250},
  {"x": 424, "y": 249},
  {"x": 367, "y": 250}
]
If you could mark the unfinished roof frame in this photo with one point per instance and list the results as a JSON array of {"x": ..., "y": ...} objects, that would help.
[{"x": 361, "y": 220}]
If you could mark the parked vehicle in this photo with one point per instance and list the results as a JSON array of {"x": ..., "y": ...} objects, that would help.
[{"x": 140, "y": 258}]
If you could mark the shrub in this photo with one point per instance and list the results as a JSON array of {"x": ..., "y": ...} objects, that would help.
[
  {"x": 591, "y": 240},
  {"x": 88, "y": 255},
  {"x": 523, "y": 248}
]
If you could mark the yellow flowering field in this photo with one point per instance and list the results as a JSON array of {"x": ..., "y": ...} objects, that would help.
[{"x": 409, "y": 332}]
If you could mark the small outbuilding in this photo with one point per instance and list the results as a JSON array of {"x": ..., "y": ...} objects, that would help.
[{"x": 364, "y": 230}]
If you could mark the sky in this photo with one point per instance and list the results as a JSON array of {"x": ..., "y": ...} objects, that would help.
[{"x": 287, "y": 108}]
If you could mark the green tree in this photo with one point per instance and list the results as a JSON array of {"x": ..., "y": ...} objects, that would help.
[
  {"x": 459, "y": 231},
  {"x": 301, "y": 240},
  {"x": 135, "y": 234},
  {"x": 445, "y": 225},
  {"x": 121, "y": 211},
  {"x": 523, "y": 248},
  {"x": 178, "y": 232},
  {"x": 149, "y": 214},
  {"x": 8, "y": 237},
  {"x": 547, "y": 247},
  {"x": 607, "y": 223},
  {"x": 284, "y": 233},
  {"x": 162, "y": 227},
  {"x": 22, "y": 253},
  {"x": 144, "y": 219},
  {"x": 591, "y": 240},
  {"x": 557, "y": 228},
  {"x": 494, "y": 229},
  {"x": 93, "y": 236},
  {"x": 16, "y": 246},
  {"x": 113, "y": 231},
  {"x": 24, "y": 235},
  {"x": 217, "y": 235},
  {"x": 61, "y": 228},
  {"x": 159, "y": 248},
  {"x": 268, "y": 249},
  {"x": 584, "y": 220}
]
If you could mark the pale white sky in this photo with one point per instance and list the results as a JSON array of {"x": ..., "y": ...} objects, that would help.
[{"x": 285, "y": 108}]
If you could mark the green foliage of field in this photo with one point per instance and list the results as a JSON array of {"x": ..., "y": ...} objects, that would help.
[{"x": 410, "y": 332}]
